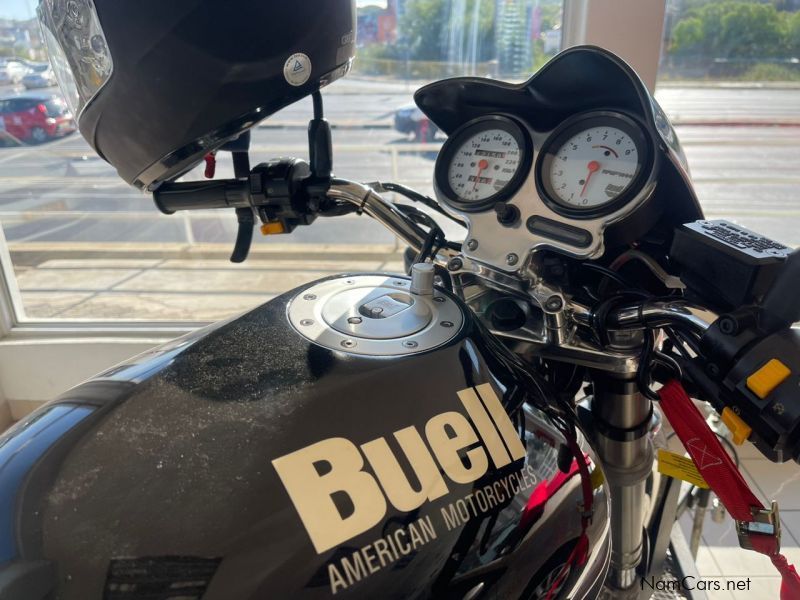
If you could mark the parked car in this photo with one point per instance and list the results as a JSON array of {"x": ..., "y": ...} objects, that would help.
[
  {"x": 410, "y": 119},
  {"x": 12, "y": 71},
  {"x": 36, "y": 118},
  {"x": 40, "y": 76}
]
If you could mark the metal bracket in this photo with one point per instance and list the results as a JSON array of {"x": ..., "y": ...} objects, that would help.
[{"x": 765, "y": 522}]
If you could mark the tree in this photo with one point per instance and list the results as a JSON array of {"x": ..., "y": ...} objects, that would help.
[
  {"x": 731, "y": 30},
  {"x": 426, "y": 28},
  {"x": 793, "y": 35}
]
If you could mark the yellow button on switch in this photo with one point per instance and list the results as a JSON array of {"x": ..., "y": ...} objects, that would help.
[
  {"x": 740, "y": 430},
  {"x": 767, "y": 378}
]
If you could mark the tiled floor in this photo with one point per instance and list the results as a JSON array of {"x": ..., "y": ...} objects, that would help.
[{"x": 720, "y": 557}]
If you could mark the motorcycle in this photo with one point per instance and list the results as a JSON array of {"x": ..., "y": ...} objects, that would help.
[{"x": 484, "y": 426}]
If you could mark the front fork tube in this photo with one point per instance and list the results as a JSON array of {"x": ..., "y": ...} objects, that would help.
[{"x": 621, "y": 423}]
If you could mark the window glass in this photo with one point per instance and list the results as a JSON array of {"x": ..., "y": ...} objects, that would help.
[
  {"x": 55, "y": 107},
  {"x": 729, "y": 79},
  {"x": 84, "y": 246}
]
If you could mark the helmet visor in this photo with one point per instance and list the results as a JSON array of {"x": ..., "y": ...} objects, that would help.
[{"x": 77, "y": 48}]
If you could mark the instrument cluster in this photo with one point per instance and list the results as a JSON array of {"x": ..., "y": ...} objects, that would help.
[{"x": 519, "y": 189}]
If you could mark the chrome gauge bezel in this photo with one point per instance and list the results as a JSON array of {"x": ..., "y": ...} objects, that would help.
[
  {"x": 454, "y": 144},
  {"x": 574, "y": 125}
]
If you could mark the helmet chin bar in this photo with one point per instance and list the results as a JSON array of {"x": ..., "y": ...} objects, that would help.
[{"x": 283, "y": 193}]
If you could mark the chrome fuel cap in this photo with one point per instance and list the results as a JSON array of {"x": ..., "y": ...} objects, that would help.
[
  {"x": 380, "y": 313},
  {"x": 375, "y": 315}
]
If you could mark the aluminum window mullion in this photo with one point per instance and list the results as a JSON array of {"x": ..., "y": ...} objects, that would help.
[{"x": 10, "y": 297}]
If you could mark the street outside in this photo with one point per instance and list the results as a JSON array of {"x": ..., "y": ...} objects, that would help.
[{"x": 85, "y": 245}]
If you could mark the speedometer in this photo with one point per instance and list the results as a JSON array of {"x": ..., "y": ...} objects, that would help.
[
  {"x": 483, "y": 163},
  {"x": 593, "y": 165}
]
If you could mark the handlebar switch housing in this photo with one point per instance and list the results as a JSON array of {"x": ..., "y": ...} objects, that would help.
[
  {"x": 279, "y": 193},
  {"x": 760, "y": 383}
]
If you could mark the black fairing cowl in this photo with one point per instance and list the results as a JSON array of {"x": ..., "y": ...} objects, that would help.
[
  {"x": 159, "y": 473},
  {"x": 580, "y": 79}
]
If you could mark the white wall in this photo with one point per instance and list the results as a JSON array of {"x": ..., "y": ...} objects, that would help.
[
  {"x": 34, "y": 371},
  {"x": 633, "y": 29}
]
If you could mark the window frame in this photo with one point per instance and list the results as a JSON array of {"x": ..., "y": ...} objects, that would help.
[{"x": 72, "y": 350}]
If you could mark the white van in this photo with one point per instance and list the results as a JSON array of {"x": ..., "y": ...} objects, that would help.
[{"x": 12, "y": 71}]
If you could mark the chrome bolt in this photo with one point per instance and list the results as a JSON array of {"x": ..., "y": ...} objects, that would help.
[
  {"x": 512, "y": 259},
  {"x": 348, "y": 343},
  {"x": 410, "y": 344},
  {"x": 554, "y": 303},
  {"x": 310, "y": 297},
  {"x": 354, "y": 320},
  {"x": 306, "y": 322},
  {"x": 472, "y": 245},
  {"x": 446, "y": 324},
  {"x": 455, "y": 264},
  {"x": 439, "y": 299}
]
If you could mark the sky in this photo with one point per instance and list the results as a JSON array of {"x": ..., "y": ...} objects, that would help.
[
  {"x": 17, "y": 9},
  {"x": 25, "y": 9}
]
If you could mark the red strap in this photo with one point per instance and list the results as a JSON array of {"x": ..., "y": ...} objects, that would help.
[
  {"x": 211, "y": 165},
  {"x": 714, "y": 463},
  {"x": 721, "y": 474}
]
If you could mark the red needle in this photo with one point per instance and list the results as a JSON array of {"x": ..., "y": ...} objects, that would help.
[
  {"x": 483, "y": 164},
  {"x": 592, "y": 166}
]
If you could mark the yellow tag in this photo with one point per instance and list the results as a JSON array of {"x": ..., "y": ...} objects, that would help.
[
  {"x": 680, "y": 467},
  {"x": 597, "y": 478}
]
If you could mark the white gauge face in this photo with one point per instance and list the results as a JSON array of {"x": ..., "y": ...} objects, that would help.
[
  {"x": 593, "y": 167},
  {"x": 484, "y": 165}
]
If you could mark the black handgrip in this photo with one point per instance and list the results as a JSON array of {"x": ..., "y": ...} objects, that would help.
[
  {"x": 199, "y": 195},
  {"x": 781, "y": 305}
]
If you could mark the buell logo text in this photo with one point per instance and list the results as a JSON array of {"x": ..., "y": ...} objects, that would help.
[{"x": 489, "y": 436}]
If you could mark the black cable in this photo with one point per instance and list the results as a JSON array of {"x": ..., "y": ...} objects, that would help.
[
  {"x": 643, "y": 370},
  {"x": 427, "y": 247},
  {"x": 613, "y": 275},
  {"x": 677, "y": 342},
  {"x": 336, "y": 209},
  {"x": 445, "y": 277},
  {"x": 540, "y": 393},
  {"x": 435, "y": 238},
  {"x": 316, "y": 99},
  {"x": 690, "y": 339},
  {"x": 649, "y": 356},
  {"x": 421, "y": 198},
  {"x": 417, "y": 216}
]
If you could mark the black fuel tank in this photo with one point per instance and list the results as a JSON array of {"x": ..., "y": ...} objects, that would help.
[{"x": 246, "y": 462}]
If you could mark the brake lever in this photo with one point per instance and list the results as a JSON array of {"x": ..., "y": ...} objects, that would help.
[{"x": 244, "y": 236}]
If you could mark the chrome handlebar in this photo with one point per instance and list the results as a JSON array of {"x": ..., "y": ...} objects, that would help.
[
  {"x": 373, "y": 204},
  {"x": 559, "y": 338},
  {"x": 369, "y": 202},
  {"x": 662, "y": 313}
]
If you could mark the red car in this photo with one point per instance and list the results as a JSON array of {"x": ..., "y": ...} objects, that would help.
[{"x": 35, "y": 118}]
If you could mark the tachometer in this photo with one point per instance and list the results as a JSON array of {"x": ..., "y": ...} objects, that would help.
[
  {"x": 483, "y": 163},
  {"x": 593, "y": 165}
]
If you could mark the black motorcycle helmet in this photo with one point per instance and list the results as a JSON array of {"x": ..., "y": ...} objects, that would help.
[{"x": 155, "y": 85}]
